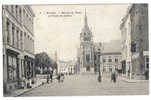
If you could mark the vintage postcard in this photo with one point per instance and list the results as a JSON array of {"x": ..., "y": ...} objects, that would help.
[{"x": 75, "y": 50}]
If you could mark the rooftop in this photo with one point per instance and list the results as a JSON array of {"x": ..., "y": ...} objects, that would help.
[{"x": 114, "y": 46}]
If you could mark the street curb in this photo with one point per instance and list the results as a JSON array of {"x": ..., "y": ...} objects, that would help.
[
  {"x": 29, "y": 90},
  {"x": 135, "y": 81}
]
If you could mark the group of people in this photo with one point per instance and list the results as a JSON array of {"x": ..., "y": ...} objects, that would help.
[
  {"x": 113, "y": 77},
  {"x": 60, "y": 77}
]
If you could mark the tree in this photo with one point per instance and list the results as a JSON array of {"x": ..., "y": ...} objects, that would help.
[{"x": 43, "y": 61}]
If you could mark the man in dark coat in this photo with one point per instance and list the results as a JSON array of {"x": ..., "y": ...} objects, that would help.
[
  {"x": 59, "y": 77},
  {"x": 113, "y": 77},
  {"x": 48, "y": 78},
  {"x": 51, "y": 75}
]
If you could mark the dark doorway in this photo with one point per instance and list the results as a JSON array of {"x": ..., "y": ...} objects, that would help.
[
  {"x": 88, "y": 58},
  {"x": 88, "y": 68}
]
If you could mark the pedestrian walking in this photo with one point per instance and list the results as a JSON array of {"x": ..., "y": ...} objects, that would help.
[
  {"x": 99, "y": 78},
  {"x": 114, "y": 76},
  {"x": 146, "y": 74},
  {"x": 51, "y": 76},
  {"x": 58, "y": 78},
  {"x": 48, "y": 78},
  {"x": 113, "y": 79},
  {"x": 62, "y": 77}
]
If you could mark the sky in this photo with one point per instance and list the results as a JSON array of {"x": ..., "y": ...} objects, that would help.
[{"x": 58, "y": 27}]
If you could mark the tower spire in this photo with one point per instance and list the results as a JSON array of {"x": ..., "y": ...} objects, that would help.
[
  {"x": 85, "y": 18},
  {"x": 86, "y": 29}
]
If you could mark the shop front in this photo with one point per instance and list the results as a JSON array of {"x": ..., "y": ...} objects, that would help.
[
  {"x": 28, "y": 70},
  {"x": 12, "y": 70}
]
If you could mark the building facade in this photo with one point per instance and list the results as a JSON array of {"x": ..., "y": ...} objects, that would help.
[
  {"x": 18, "y": 45},
  {"x": 126, "y": 45},
  {"x": 86, "y": 49},
  {"x": 62, "y": 67},
  {"x": 111, "y": 56},
  {"x": 111, "y": 61},
  {"x": 71, "y": 67},
  {"x": 137, "y": 16},
  {"x": 66, "y": 67}
]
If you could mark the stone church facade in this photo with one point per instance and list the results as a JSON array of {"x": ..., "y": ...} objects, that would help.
[{"x": 86, "y": 49}]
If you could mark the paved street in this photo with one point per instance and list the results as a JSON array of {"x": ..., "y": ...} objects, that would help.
[{"x": 87, "y": 85}]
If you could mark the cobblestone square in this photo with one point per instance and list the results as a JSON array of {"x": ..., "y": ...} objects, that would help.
[{"x": 87, "y": 85}]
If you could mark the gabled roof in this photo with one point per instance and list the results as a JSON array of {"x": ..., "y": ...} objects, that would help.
[{"x": 114, "y": 46}]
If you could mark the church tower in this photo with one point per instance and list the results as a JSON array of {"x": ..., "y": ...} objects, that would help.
[{"x": 86, "y": 48}]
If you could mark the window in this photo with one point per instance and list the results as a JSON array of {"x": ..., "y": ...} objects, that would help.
[
  {"x": 140, "y": 27},
  {"x": 8, "y": 35},
  {"x": 17, "y": 39},
  {"x": 24, "y": 15},
  {"x": 110, "y": 60},
  {"x": 13, "y": 36},
  {"x": 133, "y": 47},
  {"x": 116, "y": 60},
  {"x": 147, "y": 62},
  {"x": 20, "y": 14},
  {"x": 12, "y": 64},
  {"x": 147, "y": 59},
  {"x": 104, "y": 60},
  {"x": 145, "y": 5},
  {"x": 21, "y": 40},
  {"x": 88, "y": 58},
  {"x": 16, "y": 11}
]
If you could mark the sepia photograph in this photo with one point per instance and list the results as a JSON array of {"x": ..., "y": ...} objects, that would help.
[{"x": 75, "y": 49}]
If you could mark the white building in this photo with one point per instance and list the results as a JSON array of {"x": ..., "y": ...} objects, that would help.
[
  {"x": 126, "y": 45},
  {"x": 66, "y": 67},
  {"x": 111, "y": 56}
]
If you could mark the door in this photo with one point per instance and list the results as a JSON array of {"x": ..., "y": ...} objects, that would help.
[{"x": 88, "y": 68}]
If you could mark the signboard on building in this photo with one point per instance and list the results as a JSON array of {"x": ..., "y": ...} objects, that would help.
[{"x": 145, "y": 53}]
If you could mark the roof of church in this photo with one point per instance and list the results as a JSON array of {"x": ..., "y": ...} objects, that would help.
[{"x": 113, "y": 46}]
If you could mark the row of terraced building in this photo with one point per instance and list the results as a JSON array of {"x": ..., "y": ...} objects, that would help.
[{"x": 18, "y": 45}]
